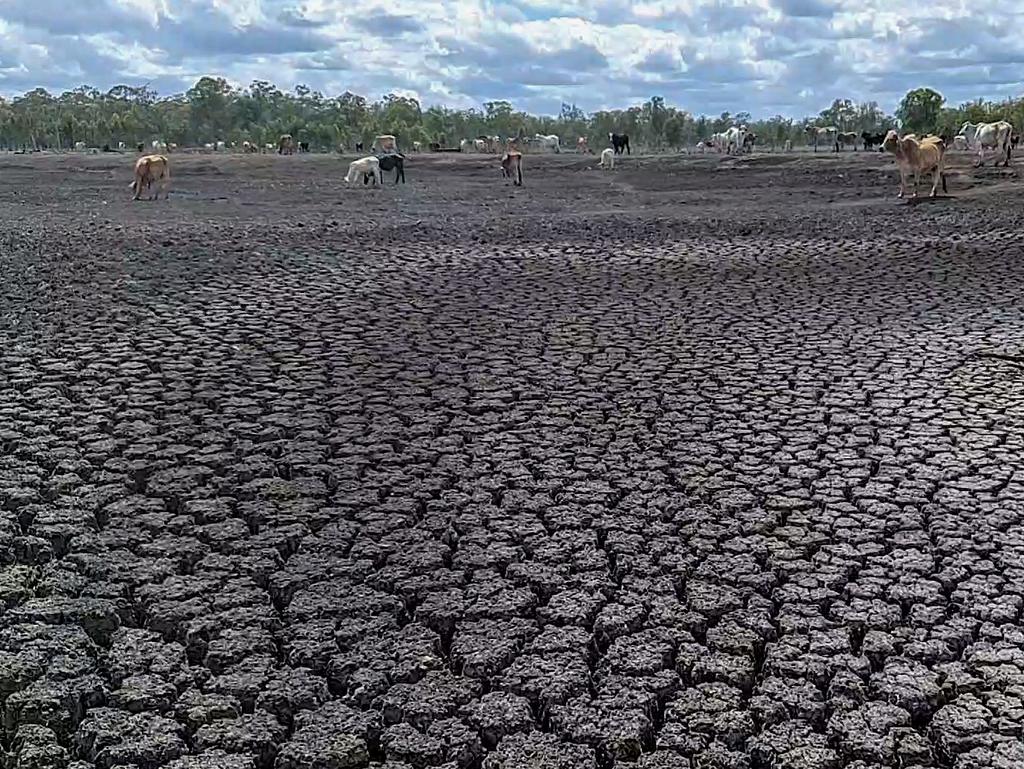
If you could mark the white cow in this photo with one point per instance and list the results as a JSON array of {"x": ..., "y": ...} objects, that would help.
[
  {"x": 701, "y": 148},
  {"x": 221, "y": 146},
  {"x": 983, "y": 136},
  {"x": 159, "y": 147},
  {"x": 734, "y": 139},
  {"x": 960, "y": 143},
  {"x": 788, "y": 146},
  {"x": 549, "y": 142},
  {"x": 79, "y": 146},
  {"x": 465, "y": 146},
  {"x": 416, "y": 146},
  {"x": 479, "y": 145},
  {"x": 368, "y": 165},
  {"x": 828, "y": 135},
  {"x": 208, "y": 147},
  {"x": 607, "y": 159}
]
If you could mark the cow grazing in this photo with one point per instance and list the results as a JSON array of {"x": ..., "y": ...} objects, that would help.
[
  {"x": 848, "y": 139},
  {"x": 620, "y": 143},
  {"x": 983, "y": 136},
  {"x": 871, "y": 140},
  {"x": 149, "y": 169},
  {"x": 917, "y": 157},
  {"x": 368, "y": 165},
  {"x": 607, "y": 159},
  {"x": 828, "y": 135},
  {"x": 548, "y": 142},
  {"x": 512, "y": 167}
]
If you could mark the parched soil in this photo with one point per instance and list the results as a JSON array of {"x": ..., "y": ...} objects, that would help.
[{"x": 703, "y": 463}]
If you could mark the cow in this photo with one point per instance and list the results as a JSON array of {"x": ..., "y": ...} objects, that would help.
[
  {"x": 79, "y": 146},
  {"x": 734, "y": 139},
  {"x": 149, "y": 169},
  {"x": 417, "y": 147},
  {"x": 512, "y": 167},
  {"x": 480, "y": 145},
  {"x": 465, "y": 145},
  {"x": 304, "y": 147},
  {"x": 960, "y": 143},
  {"x": 620, "y": 142},
  {"x": 830, "y": 134},
  {"x": 159, "y": 147},
  {"x": 249, "y": 147},
  {"x": 221, "y": 146},
  {"x": 547, "y": 142},
  {"x": 749, "y": 141},
  {"x": 607, "y": 159},
  {"x": 390, "y": 162},
  {"x": 982, "y": 136},
  {"x": 701, "y": 147},
  {"x": 581, "y": 146},
  {"x": 917, "y": 157},
  {"x": 1014, "y": 140},
  {"x": 368, "y": 165},
  {"x": 208, "y": 147},
  {"x": 140, "y": 147},
  {"x": 871, "y": 140},
  {"x": 286, "y": 145},
  {"x": 848, "y": 139},
  {"x": 359, "y": 147},
  {"x": 787, "y": 146},
  {"x": 385, "y": 143},
  {"x": 121, "y": 147}
]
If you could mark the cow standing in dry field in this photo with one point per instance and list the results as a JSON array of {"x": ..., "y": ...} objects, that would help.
[
  {"x": 286, "y": 145},
  {"x": 848, "y": 139},
  {"x": 149, "y": 169},
  {"x": 385, "y": 143},
  {"x": 917, "y": 156},
  {"x": 607, "y": 159},
  {"x": 827, "y": 134},
  {"x": 512, "y": 167},
  {"x": 982, "y": 136}
]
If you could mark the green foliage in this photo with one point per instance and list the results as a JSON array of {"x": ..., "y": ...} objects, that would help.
[
  {"x": 919, "y": 110},
  {"x": 214, "y": 110}
]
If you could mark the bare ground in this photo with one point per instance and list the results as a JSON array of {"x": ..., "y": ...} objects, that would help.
[{"x": 705, "y": 462}]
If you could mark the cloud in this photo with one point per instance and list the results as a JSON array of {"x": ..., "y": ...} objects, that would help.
[{"x": 761, "y": 56}]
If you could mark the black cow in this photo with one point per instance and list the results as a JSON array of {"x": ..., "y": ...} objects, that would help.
[
  {"x": 359, "y": 146},
  {"x": 872, "y": 140},
  {"x": 388, "y": 163},
  {"x": 303, "y": 146},
  {"x": 620, "y": 142},
  {"x": 140, "y": 147}
]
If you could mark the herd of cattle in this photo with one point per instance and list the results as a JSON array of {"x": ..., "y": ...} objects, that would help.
[{"x": 914, "y": 156}]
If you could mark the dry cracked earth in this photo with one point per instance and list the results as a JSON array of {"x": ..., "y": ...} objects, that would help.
[{"x": 704, "y": 463}]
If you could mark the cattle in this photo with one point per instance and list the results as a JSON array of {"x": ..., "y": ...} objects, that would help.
[
  {"x": 847, "y": 139},
  {"x": 1014, "y": 141},
  {"x": 734, "y": 139},
  {"x": 435, "y": 146},
  {"x": 983, "y": 136},
  {"x": 359, "y": 147},
  {"x": 391, "y": 162},
  {"x": 79, "y": 146},
  {"x": 547, "y": 142},
  {"x": 368, "y": 165},
  {"x": 701, "y": 147},
  {"x": 749, "y": 141},
  {"x": 140, "y": 147},
  {"x": 208, "y": 147},
  {"x": 960, "y": 143},
  {"x": 512, "y": 167},
  {"x": 465, "y": 146},
  {"x": 304, "y": 147},
  {"x": 159, "y": 147},
  {"x": 828, "y": 134},
  {"x": 221, "y": 146},
  {"x": 385, "y": 143},
  {"x": 286, "y": 145},
  {"x": 417, "y": 147},
  {"x": 249, "y": 147},
  {"x": 268, "y": 147},
  {"x": 581, "y": 146},
  {"x": 871, "y": 140},
  {"x": 480, "y": 145},
  {"x": 719, "y": 141},
  {"x": 620, "y": 143},
  {"x": 607, "y": 159},
  {"x": 787, "y": 145},
  {"x": 149, "y": 169},
  {"x": 121, "y": 146},
  {"x": 917, "y": 157}
]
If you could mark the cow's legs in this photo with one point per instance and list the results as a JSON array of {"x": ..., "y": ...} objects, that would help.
[{"x": 903, "y": 183}]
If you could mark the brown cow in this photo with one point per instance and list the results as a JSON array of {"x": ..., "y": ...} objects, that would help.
[
  {"x": 512, "y": 167},
  {"x": 149, "y": 169},
  {"x": 285, "y": 145}
]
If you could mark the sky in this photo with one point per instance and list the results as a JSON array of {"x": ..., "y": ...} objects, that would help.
[{"x": 765, "y": 57}]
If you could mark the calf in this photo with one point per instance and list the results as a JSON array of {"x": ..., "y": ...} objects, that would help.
[
  {"x": 512, "y": 167},
  {"x": 149, "y": 169},
  {"x": 917, "y": 157},
  {"x": 394, "y": 163},
  {"x": 358, "y": 168},
  {"x": 620, "y": 142}
]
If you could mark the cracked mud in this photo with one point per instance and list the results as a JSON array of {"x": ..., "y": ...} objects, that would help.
[{"x": 704, "y": 463}]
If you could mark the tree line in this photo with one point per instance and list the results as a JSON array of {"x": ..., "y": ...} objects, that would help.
[{"x": 213, "y": 110}]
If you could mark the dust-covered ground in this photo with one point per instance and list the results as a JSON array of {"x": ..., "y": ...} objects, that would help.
[{"x": 705, "y": 462}]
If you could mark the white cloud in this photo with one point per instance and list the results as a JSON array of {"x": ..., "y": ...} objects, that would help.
[{"x": 760, "y": 56}]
